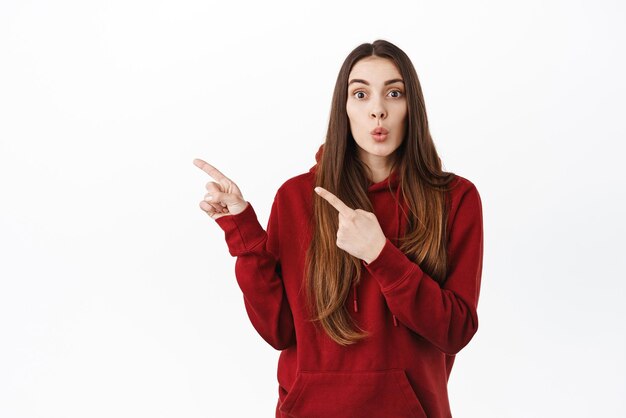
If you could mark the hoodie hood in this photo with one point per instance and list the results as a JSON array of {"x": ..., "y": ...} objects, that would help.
[{"x": 374, "y": 191}]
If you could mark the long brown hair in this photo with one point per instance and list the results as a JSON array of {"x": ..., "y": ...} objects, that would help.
[{"x": 330, "y": 271}]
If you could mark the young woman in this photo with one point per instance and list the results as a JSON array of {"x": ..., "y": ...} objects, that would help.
[{"x": 368, "y": 276}]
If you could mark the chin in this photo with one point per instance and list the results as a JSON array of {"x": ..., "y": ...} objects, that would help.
[
  {"x": 379, "y": 149},
  {"x": 382, "y": 149}
]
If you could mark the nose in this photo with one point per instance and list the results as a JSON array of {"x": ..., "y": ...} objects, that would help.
[
  {"x": 378, "y": 110},
  {"x": 378, "y": 114}
]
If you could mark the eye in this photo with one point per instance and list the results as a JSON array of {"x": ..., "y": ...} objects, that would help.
[
  {"x": 356, "y": 94},
  {"x": 398, "y": 93}
]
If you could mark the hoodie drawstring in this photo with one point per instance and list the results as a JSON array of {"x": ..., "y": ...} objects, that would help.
[
  {"x": 395, "y": 320},
  {"x": 398, "y": 217}
]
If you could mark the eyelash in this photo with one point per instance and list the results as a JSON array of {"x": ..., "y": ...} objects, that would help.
[{"x": 361, "y": 91}]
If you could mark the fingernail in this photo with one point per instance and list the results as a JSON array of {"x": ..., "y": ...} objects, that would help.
[
  {"x": 208, "y": 198},
  {"x": 317, "y": 189}
]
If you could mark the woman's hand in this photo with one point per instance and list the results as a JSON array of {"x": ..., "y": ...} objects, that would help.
[
  {"x": 224, "y": 197},
  {"x": 359, "y": 232}
]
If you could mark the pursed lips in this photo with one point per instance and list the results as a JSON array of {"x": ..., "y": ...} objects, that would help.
[{"x": 379, "y": 131}]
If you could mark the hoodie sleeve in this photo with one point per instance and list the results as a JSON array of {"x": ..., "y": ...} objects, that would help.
[
  {"x": 258, "y": 274},
  {"x": 444, "y": 315}
]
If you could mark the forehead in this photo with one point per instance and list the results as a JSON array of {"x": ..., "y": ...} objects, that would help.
[{"x": 374, "y": 69}]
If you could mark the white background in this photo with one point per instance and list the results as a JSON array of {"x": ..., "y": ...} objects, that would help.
[{"x": 117, "y": 293}]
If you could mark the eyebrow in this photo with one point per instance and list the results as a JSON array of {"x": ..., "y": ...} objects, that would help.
[{"x": 358, "y": 80}]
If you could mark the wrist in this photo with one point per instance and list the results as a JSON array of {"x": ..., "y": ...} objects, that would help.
[
  {"x": 378, "y": 250},
  {"x": 238, "y": 208}
]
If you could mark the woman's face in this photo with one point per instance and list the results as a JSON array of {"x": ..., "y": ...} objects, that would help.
[{"x": 376, "y": 100}]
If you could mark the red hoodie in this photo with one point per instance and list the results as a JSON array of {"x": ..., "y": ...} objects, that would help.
[{"x": 417, "y": 326}]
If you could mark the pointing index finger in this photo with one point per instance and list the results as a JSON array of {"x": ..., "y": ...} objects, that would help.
[
  {"x": 334, "y": 201},
  {"x": 209, "y": 169}
]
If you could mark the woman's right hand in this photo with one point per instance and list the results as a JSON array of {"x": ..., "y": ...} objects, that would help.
[{"x": 224, "y": 197}]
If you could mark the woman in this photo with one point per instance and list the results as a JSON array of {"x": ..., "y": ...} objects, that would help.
[{"x": 369, "y": 273}]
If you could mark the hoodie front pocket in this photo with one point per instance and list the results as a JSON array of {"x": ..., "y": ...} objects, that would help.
[{"x": 352, "y": 394}]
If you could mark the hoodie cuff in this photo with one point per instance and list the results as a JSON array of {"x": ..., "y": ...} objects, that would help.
[
  {"x": 242, "y": 231},
  {"x": 391, "y": 267}
]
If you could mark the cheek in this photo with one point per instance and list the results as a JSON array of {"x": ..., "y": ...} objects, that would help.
[
  {"x": 350, "y": 111},
  {"x": 353, "y": 117},
  {"x": 402, "y": 117}
]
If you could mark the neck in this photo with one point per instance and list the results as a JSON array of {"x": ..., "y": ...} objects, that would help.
[{"x": 380, "y": 167}]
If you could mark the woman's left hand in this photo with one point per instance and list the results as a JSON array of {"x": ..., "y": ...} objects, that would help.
[{"x": 359, "y": 232}]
